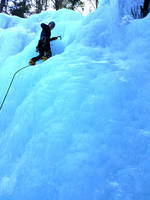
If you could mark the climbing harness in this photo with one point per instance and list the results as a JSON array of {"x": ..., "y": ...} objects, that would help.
[{"x": 11, "y": 85}]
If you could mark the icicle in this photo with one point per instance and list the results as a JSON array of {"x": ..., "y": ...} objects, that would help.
[
  {"x": 126, "y": 7},
  {"x": 130, "y": 7}
]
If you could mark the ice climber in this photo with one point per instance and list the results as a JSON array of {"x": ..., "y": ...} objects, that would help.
[{"x": 43, "y": 46}]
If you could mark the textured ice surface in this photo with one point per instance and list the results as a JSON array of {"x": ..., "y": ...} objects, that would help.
[{"x": 76, "y": 127}]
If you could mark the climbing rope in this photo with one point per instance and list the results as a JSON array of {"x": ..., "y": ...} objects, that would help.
[{"x": 11, "y": 85}]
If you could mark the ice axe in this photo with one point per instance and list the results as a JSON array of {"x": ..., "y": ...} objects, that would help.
[{"x": 60, "y": 37}]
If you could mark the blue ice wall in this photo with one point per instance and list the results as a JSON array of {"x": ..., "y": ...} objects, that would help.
[{"x": 76, "y": 127}]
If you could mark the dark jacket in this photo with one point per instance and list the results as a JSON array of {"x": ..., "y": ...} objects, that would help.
[
  {"x": 45, "y": 37},
  {"x": 46, "y": 32}
]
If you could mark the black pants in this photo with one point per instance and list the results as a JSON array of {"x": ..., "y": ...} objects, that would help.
[{"x": 43, "y": 51}]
